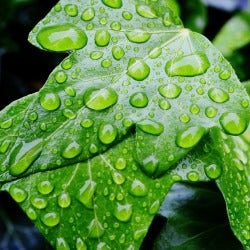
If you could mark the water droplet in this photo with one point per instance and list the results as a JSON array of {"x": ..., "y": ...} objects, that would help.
[
  {"x": 24, "y": 155},
  {"x": 6, "y": 124},
  {"x": 62, "y": 37},
  {"x": 18, "y": 194},
  {"x": 151, "y": 127},
  {"x": 138, "y": 188},
  {"x": 70, "y": 91},
  {"x": 193, "y": 176},
  {"x": 43, "y": 126},
  {"x": 106, "y": 63},
  {"x": 139, "y": 100},
  {"x": 64, "y": 200},
  {"x": 96, "y": 229},
  {"x": 33, "y": 116},
  {"x": 116, "y": 4},
  {"x": 189, "y": 65},
  {"x": 123, "y": 212},
  {"x": 4, "y": 146},
  {"x": 120, "y": 163},
  {"x": 61, "y": 244},
  {"x": 118, "y": 178},
  {"x": 224, "y": 75},
  {"x": 67, "y": 63},
  {"x": 31, "y": 213},
  {"x": 194, "y": 109},
  {"x": 170, "y": 90},
  {"x": 86, "y": 193},
  {"x": 71, "y": 9},
  {"x": 168, "y": 19},
  {"x": 185, "y": 118},
  {"x": 38, "y": 202},
  {"x": 45, "y": 187},
  {"x": 211, "y": 112},
  {"x": 213, "y": 171},
  {"x": 50, "y": 101},
  {"x": 102, "y": 246},
  {"x": 218, "y": 95},
  {"x": 138, "y": 69},
  {"x": 99, "y": 99},
  {"x": 102, "y": 38},
  {"x": 80, "y": 244},
  {"x": 150, "y": 164},
  {"x": 88, "y": 14},
  {"x": 95, "y": 55},
  {"x": 127, "y": 15},
  {"x": 86, "y": 123},
  {"x": 155, "y": 52},
  {"x": 115, "y": 25},
  {"x": 68, "y": 113},
  {"x": 138, "y": 36},
  {"x": 233, "y": 123},
  {"x": 145, "y": 11},
  {"x": 107, "y": 133},
  {"x": 93, "y": 148},
  {"x": 164, "y": 104},
  {"x": 72, "y": 150},
  {"x": 190, "y": 137},
  {"x": 60, "y": 76},
  {"x": 154, "y": 207},
  {"x": 118, "y": 52},
  {"x": 140, "y": 233},
  {"x": 50, "y": 219}
]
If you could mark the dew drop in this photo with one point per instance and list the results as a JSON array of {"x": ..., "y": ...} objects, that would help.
[
  {"x": 45, "y": 187},
  {"x": 123, "y": 212},
  {"x": 62, "y": 37},
  {"x": 102, "y": 246},
  {"x": 138, "y": 36},
  {"x": 233, "y": 123},
  {"x": 31, "y": 214},
  {"x": 194, "y": 109},
  {"x": 88, "y": 14},
  {"x": 93, "y": 148},
  {"x": 68, "y": 113},
  {"x": 164, "y": 104},
  {"x": 116, "y": 4},
  {"x": 96, "y": 229},
  {"x": 86, "y": 193},
  {"x": 189, "y": 65},
  {"x": 50, "y": 101},
  {"x": 107, "y": 133},
  {"x": 151, "y": 127},
  {"x": 190, "y": 137},
  {"x": 139, "y": 100},
  {"x": 118, "y": 178},
  {"x": 86, "y": 123},
  {"x": 61, "y": 244},
  {"x": 218, "y": 95},
  {"x": 213, "y": 171},
  {"x": 115, "y": 25},
  {"x": 138, "y": 69},
  {"x": 64, "y": 200},
  {"x": 145, "y": 11},
  {"x": 170, "y": 90},
  {"x": 154, "y": 207},
  {"x": 138, "y": 188},
  {"x": 80, "y": 244},
  {"x": 50, "y": 219},
  {"x": 211, "y": 112},
  {"x": 4, "y": 146},
  {"x": 60, "y": 76},
  {"x": 193, "y": 176},
  {"x": 37, "y": 202},
  {"x": 70, "y": 91},
  {"x": 18, "y": 194},
  {"x": 224, "y": 75},
  {"x": 72, "y": 150},
  {"x": 6, "y": 124},
  {"x": 127, "y": 15},
  {"x": 99, "y": 99},
  {"x": 33, "y": 116},
  {"x": 121, "y": 164},
  {"x": 154, "y": 53},
  {"x": 140, "y": 233},
  {"x": 102, "y": 38},
  {"x": 150, "y": 164},
  {"x": 67, "y": 63},
  {"x": 118, "y": 52}
]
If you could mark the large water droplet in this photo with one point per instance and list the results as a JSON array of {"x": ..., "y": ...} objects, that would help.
[
  {"x": 107, "y": 133},
  {"x": 151, "y": 127},
  {"x": 50, "y": 219},
  {"x": 62, "y": 37},
  {"x": 170, "y": 90},
  {"x": 72, "y": 150},
  {"x": 71, "y": 9},
  {"x": 138, "y": 188},
  {"x": 120, "y": 163},
  {"x": 123, "y": 212},
  {"x": 88, "y": 14},
  {"x": 213, "y": 171},
  {"x": 50, "y": 101},
  {"x": 18, "y": 194},
  {"x": 60, "y": 76},
  {"x": 99, "y": 99},
  {"x": 138, "y": 36},
  {"x": 145, "y": 11},
  {"x": 61, "y": 244},
  {"x": 139, "y": 100},
  {"x": 233, "y": 123},
  {"x": 190, "y": 137},
  {"x": 189, "y": 65},
  {"x": 218, "y": 95},
  {"x": 24, "y": 155},
  {"x": 45, "y": 187},
  {"x": 96, "y": 229},
  {"x": 116, "y": 4},
  {"x": 102, "y": 38},
  {"x": 138, "y": 69},
  {"x": 86, "y": 193},
  {"x": 64, "y": 200}
]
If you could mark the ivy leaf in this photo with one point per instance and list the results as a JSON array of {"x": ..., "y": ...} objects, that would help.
[{"x": 78, "y": 151}]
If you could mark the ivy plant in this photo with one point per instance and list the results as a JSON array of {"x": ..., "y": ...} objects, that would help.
[{"x": 139, "y": 104}]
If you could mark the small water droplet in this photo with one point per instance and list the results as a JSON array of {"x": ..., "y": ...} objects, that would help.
[
  {"x": 127, "y": 15},
  {"x": 18, "y": 194},
  {"x": 86, "y": 123},
  {"x": 151, "y": 127},
  {"x": 218, "y": 95},
  {"x": 145, "y": 11},
  {"x": 62, "y": 37},
  {"x": 107, "y": 133},
  {"x": 61, "y": 244},
  {"x": 33, "y": 116},
  {"x": 115, "y": 25},
  {"x": 67, "y": 63},
  {"x": 96, "y": 229},
  {"x": 224, "y": 75},
  {"x": 60, "y": 76},
  {"x": 154, "y": 207},
  {"x": 43, "y": 126},
  {"x": 123, "y": 212},
  {"x": 118, "y": 178},
  {"x": 189, "y": 65},
  {"x": 99, "y": 99},
  {"x": 193, "y": 176},
  {"x": 102, "y": 38},
  {"x": 88, "y": 14},
  {"x": 106, "y": 63},
  {"x": 116, "y": 4},
  {"x": 93, "y": 149},
  {"x": 150, "y": 164},
  {"x": 80, "y": 244},
  {"x": 70, "y": 91},
  {"x": 118, "y": 52},
  {"x": 31, "y": 213},
  {"x": 155, "y": 52},
  {"x": 164, "y": 104},
  {"x": 211, "y": 112},
  {"x": 72, "y": 150},
  {"x": 4, "y": 146},
  {"x": 50, "y": 219},
  {"x": 139, "y": 100},
  {"x": 102, "y": 246},
  {"x": 185, "y": 118},
  {"x": 95, "y": 55},
  {"x": 194, "y": 109},
  {"x": 37, "y": 202},
  {"x": 190, "y": 137},
  {"x": 6, "y": 124},
  {"x": 121, "y": 163},
  {"x": 64, "y": 200},
  {"x": 140, "y": 233},
  {"x": 71, "y": 10},
  {"x": 138, "y": 69},
  {"x": 50, "y": 101},
  {"x": 86, "y": 193},
  {"x": 170, "y": 90},
  {"x": 45, "y": 187},
  {"x": 138, "y": 188},
  {"x": 213, "y": 171},
  {"x": 68, "y": 113},
  {"x": 233, "y": 123},
  {"x": 138, "y": 36}
]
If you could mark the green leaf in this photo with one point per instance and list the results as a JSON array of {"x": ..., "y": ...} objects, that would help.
[{"x": 98, "y": 147}]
